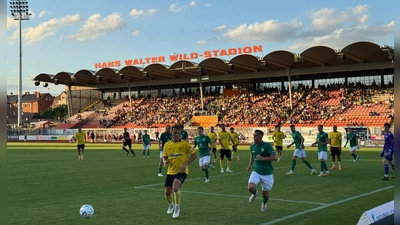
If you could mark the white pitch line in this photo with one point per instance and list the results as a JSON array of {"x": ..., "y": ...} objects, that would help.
[
  {"x": 239, "y": 196},
  {"x": 325, "y": 206}
]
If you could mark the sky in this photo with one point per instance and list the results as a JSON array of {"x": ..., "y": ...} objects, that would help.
[{"x": 67, "y": 36}]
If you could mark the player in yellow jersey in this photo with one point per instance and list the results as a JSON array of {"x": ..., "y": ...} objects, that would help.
[
  {"x": 335, "y": 141},
  {"x": 278, "y": 137},
  {"x": 213, "y": 137},
  {"x": 235, "y": 143},
  {"x": 176, "y": 155},
  {"x": 224, "y": 138},
  {"x": 80, "y": 138}
]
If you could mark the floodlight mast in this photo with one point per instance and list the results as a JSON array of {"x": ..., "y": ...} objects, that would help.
[{"x": 20, "y": 11}]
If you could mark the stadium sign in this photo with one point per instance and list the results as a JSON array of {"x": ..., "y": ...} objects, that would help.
[{"x": 177, "y": 57}]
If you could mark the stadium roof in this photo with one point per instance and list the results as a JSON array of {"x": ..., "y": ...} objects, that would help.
[{"x": 358, "y": 56}]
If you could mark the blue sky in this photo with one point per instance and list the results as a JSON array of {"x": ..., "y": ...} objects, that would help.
[{"x": 73, "y": 35}]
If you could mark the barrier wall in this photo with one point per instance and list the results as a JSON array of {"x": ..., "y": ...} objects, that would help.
[{"x": 205, "y": 121}]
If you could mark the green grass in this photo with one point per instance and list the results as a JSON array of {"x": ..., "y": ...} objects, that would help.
[{"x": 46, "y": 184}]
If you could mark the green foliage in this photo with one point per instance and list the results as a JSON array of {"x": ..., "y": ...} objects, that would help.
[
  {"x": 55, "y": 113},
  {"x": 46, "y": 184}
]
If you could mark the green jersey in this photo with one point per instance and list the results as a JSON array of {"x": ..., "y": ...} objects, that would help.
[
  {"x": 322, "y": 137},
  {"x": 352, "y": 139},
  {"x": 146, "y": 139},
  {"x": 262, "y": 167},
  {"x": 183, "y": 135},
  {"x": 204, "y": 142},
  {"x": 164, "y": 138},
  {"x": 297, "y": 139}
]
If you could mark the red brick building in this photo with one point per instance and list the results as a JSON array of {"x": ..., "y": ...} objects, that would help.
[{"x": 31, "y": 103}]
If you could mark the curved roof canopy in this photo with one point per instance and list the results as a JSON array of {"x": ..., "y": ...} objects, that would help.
[{"x": 314, "y": 60}]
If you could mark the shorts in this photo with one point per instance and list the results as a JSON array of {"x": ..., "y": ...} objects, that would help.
[
  {"x": 278, "y": 148},
  {"x": 128, "y": 143},
  {"x": 161, "y": 154},
  {"x": 335, "y": 151},
  {"x": 214, "y": 150},
  {"x": 146, "y": 147},
  {"x": 354, "y": 148},
  {"x": 267, "y": 181},
  {"x": 300, "y": 153},
  {"x": 169, "y": 180},
  {"x": 234, "y": 148},
  {"x": 205, "y": 160},
  {"x": 81, "y": 146},
  {"x": 322, "y": 155},
  {"x": 225, "y": 152}
]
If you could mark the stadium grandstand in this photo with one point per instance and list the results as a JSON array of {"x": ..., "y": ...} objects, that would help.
[{"x": 349, "y": 87}]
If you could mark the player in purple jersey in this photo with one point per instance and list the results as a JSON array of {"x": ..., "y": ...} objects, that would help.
[{"x": 387, "y": 151}]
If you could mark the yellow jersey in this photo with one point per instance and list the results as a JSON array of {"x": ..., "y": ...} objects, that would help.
[
  {"x": 235, "y": 138},
  {"x": 213, "y": 136},
  {"x": 278, "y": 138},
  {"x": 80, "y": 137},
  {"x": 224, "y": 137},
  {"x": 336, "y": 138},
  {"x": 177, "y": 154}
]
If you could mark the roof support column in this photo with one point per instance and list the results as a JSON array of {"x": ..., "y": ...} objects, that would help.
[
  {"x": 288, "y": 71},
  {"x": 130, "y": 97}
]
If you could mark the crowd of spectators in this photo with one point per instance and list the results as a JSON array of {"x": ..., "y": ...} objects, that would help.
[{"x": 264, "y": 107}]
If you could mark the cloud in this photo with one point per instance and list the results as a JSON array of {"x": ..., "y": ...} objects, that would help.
[
  {"x": 42, "y": 13},
  {"x": 135, "y": 33},
  {"x": 201, "y": 42},
  {"x": 337, "y": 29},
  {"x": 173, "y": 8},
  {"x": 270, "y": 31},
  {"x": 330, "y": 19},
  {"x": 341, "y": 37},
  {"x": 192, "y": 3},
  {"x": 11, "y": 23},
  {"x": 137, "y": 13},
  {"x": 96, "y": 26},
  {"x": 219, "y": 29},
  {"x": 208, "y": 4},
  {"x": 33, "y": 35}
]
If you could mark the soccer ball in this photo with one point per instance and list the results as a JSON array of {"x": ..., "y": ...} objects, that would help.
[{"x": 86, "y": 211}]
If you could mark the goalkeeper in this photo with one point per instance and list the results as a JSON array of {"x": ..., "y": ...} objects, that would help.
[{"x": 387, "y": 151}]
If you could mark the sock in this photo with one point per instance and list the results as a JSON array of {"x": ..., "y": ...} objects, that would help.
[
  {"x": 221, "y": 163},
  {"x": 333, "y": 163},
  {"x": 386, "y": 169},
  {"x": 237, "y": 154},
  {"x": 169, "y": 199},
  {"x": 229, "y": 164},
  {"x": 293, "y": 164},
  {"x": 322, "y": 166},
  {"x": 148, "y": 153},
  {"x": 144, "y": 153},
  {"x": 340, "y": 164},
  {"x": 325, "y": 166},
  {"x": 265, "y": 201},
  {"x": 125, "y": 149},
  {"x": 354, "y": 156},
  {"x": 133, "y": 153},
  {"x": 177, "y": 197},
  {"x": 254, "y": 192},
  {"x": 206, "y": 172},
  {"x": 393, "y": 167},
  {"x": 159, "y": 170},
  {"x": 308, "y": 164}
]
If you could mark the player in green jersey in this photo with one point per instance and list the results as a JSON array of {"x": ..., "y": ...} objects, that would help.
[
  {"x": 261, "y": 154},
  {"x": 352, "y": 138},
  {"x": 205, "y": 150}
]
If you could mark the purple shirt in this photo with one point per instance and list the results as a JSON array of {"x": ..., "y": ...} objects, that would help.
[{"x": 389, "y": 142}]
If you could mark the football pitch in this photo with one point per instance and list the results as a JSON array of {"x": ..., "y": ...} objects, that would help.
[{"x": 46, "y": 184}]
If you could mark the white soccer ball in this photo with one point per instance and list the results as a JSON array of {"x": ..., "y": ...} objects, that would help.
[{"x": 86, "y": 211}]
